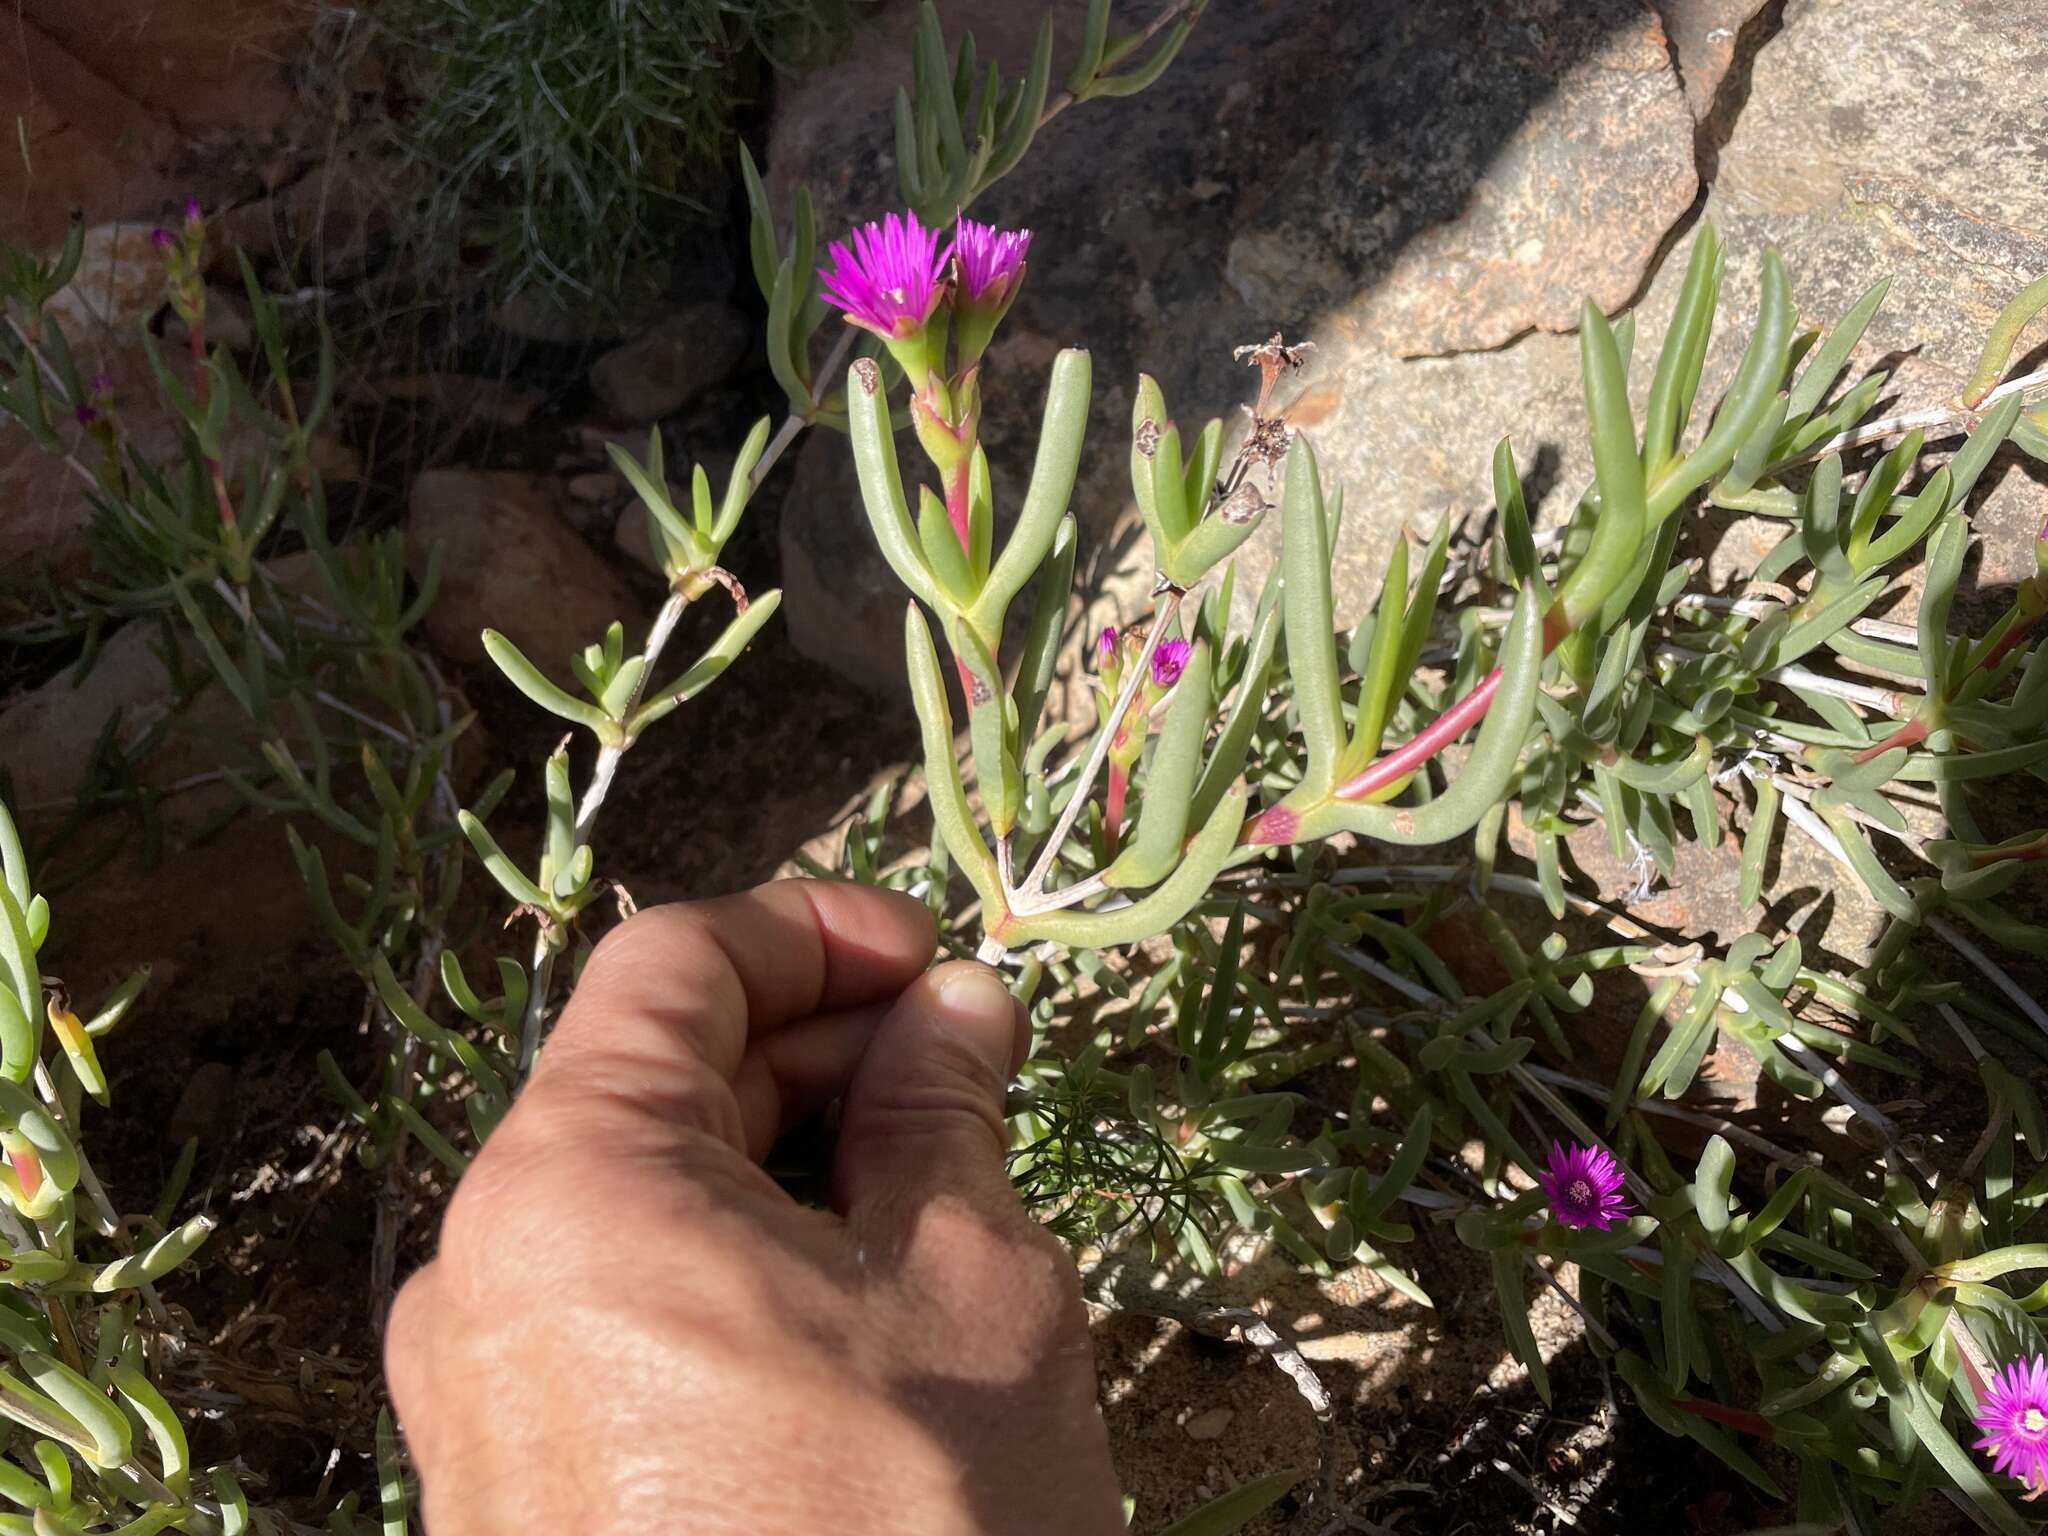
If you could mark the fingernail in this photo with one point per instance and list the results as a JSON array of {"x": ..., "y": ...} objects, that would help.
[{"x": 980, "y": 1010}]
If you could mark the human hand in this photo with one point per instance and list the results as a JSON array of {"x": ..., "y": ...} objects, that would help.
[{"x": 631, "y": 1328}]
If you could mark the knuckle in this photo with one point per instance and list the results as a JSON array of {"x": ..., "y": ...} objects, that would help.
[{"x": 636, "y": 1097}]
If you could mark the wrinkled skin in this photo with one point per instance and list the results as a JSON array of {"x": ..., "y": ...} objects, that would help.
[{"x": 631, "y": 1328}]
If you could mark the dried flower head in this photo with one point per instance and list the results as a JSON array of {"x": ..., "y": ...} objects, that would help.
[
  {"x": 2013, "y": 1413},
  {"x": 988, "y": 263},
  {"x": 1584, "y": 1186},
  {"x": 1168, "y": 662},
  {"x": 890, "y": 280}
]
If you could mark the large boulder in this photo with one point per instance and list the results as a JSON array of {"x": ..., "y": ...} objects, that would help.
[
  {"x": 1425, "y": 193},
  {"x": 123, "y": 110}
]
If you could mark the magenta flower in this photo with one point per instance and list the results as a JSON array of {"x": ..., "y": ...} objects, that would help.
[
  {"x": 194, "y": 215},
  {"x": 161, "y": 239},
  {"x": 86, "y": 415},
  {"x": 986, "y": 258},
  {"x": 2013, "y": 1413},
  {"x": 1584, "y": 1186},
  {"x": 1168, "y": 662},
  {"x": 1105, "y": 647},
  {"x": 988, "y": 269},
  {"x": 891, "y": 280}
]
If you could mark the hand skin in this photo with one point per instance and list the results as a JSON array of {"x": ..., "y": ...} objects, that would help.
[{"x": 630, "y": 1328}]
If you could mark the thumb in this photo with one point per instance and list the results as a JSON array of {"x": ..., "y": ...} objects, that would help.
[{"x": 923, "y": 1115}]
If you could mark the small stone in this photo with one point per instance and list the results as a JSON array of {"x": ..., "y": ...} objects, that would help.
[
  {"x": 334, "y": 460},
  {"x": 633, "y": 537},
  {"x": 1209, "y": 1425},
  {"x": 536, "y": 316},
  {"x": 597, "y": 486},
  {"x": 463, "y": 398},
  {"x": 596, "y": 442},
  {"x": 509, "y": 563},
  {"x": 119, "y": 282},
  {"x": 206, "y": 1107},
  {"x": 671, "y": 363}
]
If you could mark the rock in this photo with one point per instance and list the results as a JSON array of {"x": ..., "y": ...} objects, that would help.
[
  {"x": 339, "y": 210},
  {"x": 1848, "y": 195},
  {"x": 595, "y": 485},
  {"x": 1513, "y": 165},
  {"x": 1845, "y": 196},
  {"x": 47, "y": 734},
  {"x": 204, "y": 64},
  {"x": 843, "y": 604},
  {"x": 497, "y": 402},
  {"x": 206, "y": 1106},
  {"x": 634, "y": 538},
  {"x": 84, "y": 143},
  {"x": 119, "y": 282},
  {"x": 508, "y": 563},
  {"x": 532, "y": 315},
  {"x": 1209, "y": 1425},
  {"x": 671, "y": 363},
  {"x": 224, "y": 914},
  {"x": 1411, "y": 442},
  {"x": 596, "y": 443},
  {"x": 1704, "y": 34},
  {"x": 123, "y": 111},
  {"x": 334, "y": 460}
]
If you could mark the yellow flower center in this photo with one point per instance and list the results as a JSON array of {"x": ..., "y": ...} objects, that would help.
[{"x": 2034, "y": 1421}]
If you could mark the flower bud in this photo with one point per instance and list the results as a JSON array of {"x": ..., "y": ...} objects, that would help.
[
  {"x": 1109, "y": 658},
  {"x": 988, "y": 270}
]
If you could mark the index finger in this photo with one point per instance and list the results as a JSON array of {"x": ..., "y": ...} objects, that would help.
[{"x": 663, "y": 1014}]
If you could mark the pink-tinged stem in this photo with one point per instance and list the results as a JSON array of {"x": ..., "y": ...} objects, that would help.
[
  {"x": 1113, "y": 803},
  {"x": 2026, "y": 852},
  {"x": 956, "y": 504},
  {"x": 1735, "y": 1418},
  {"x": 202, "y": 389},
  {"x": 2010, "y": 640},
  {"x": 1276, "y": 824},
  {"x": 1409, "y": 757},
  {"x": 1912, "y": 733}
]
